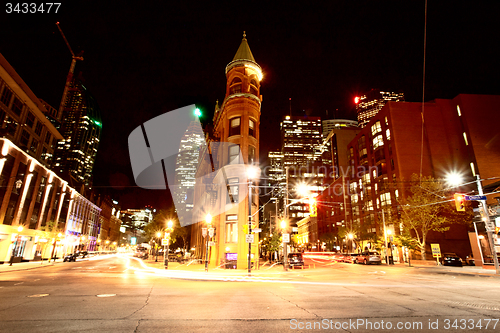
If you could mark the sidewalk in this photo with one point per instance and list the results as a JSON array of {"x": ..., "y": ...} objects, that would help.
[
  {"x": 465, "y": 270},
  {"x": 21, "y": 266}
]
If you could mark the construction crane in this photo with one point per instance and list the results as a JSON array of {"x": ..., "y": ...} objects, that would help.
[{"x": 69, "y": 78}]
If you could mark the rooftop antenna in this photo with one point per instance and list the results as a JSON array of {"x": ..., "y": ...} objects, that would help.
[
  {"x": 69, "y": 78},
  {"x": 290, "y": 99}
]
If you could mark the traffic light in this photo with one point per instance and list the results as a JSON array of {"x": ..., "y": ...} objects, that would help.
[
  {"x": 313, "y": 208},
  {"x": 460, "y": 202}
]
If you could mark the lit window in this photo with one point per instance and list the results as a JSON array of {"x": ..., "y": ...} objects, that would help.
[
  {"x": 231, "y": 228},
  {"x": 388, "y": 134},
  {"x": 378, "y": 141},
  {"x": 234, "y": 154},
  {"x": 376, "y": 128},
  {"x": 251, "y": 127},
  {"x": 235, "y": 127}
]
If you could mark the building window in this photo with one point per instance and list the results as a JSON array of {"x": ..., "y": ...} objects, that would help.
[
  {"x": 38, "y": 128},
  {"x": 385, "y": 199},
  {"x": 235, "y": 126},
  {"x": 234, "y": 154},
  {"x": 6, "y": 96},
  {"x": 11, "y": 126},
  {"x": 30, "y": 120},
  {"x": 376, "y": 128},
  {"x": 25, "y": 138},
  {"x": 34, "y": 145},
  {"x": 235, "y": 86},
  {"x": 251, "y": 154},
  {"x": 47, "y": 138},
  {"x": 251, "y": 127},
  {"x": 231, "y": 228},
  {"x": 17, "y": 106},
  {"x": 378, "y": 141},
  {"x": 233, "y": 190},
  {"x": 388, "y": 134}
]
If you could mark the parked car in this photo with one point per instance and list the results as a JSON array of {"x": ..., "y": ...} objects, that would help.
[
  {"x": 295, "y": 259},
  {"x": 369, "y": 257},
  {"x": 451, "y": 259},
  {"x": 350, "y": 258},
  {"x": 469, "y": 260}
]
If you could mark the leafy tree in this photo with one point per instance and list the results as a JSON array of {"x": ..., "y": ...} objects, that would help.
[
  {"x": 429, "y": 209},
  {"x": 329, "y": 238}
]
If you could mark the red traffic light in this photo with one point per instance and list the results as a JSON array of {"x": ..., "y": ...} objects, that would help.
[{"x": 356, "y": 100}]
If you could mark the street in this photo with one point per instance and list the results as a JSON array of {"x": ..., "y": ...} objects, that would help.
[{"x": 118, "y": 294}]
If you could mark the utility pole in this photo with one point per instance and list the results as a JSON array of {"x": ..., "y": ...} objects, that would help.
[
  {"x": 385, "y": 238},
  {"x": 490, "y": 228}
]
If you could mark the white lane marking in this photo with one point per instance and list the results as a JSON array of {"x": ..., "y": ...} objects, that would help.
[
  {"x": 106, "y": 295},
  {"x": 16, "y": 284},
  {"x": 38, "y": 295}
]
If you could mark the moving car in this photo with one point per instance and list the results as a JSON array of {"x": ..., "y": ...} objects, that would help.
[
  {"x": 295, "y": 259},
  {"x": 350, "y": 258},
  {"x": 451, "y": 259},
  {"x": 73, "y": 256},
  {"x": 369, "y": 257}
]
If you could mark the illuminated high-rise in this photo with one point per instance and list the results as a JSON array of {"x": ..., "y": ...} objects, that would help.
[
  {"x": 369, "y": 104},
  {"x": 186, "y": 165},
  {"x": 81, "y": 128}
]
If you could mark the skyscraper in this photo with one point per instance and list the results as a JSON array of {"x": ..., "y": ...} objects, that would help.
[
  {"x": 186, "y": 164},
  {"x": 81, "y": 129},
  {"x": 369, "y": 104}
]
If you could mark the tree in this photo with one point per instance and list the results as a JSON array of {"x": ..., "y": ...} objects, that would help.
[
  {"x": 329, "y": 239},
  {"x": 429, "y": 209}
]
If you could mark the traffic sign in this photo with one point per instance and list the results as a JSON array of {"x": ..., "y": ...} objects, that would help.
[
  {"x": 164, "y": 242},
  {"x": 257, "y": 230},
  {"x": 204, "y": 232},
  {"x": 211, "y": 243},
  {"x": 475, "y": 197},
  {"x": 286, "y": 238},
  {"x": 436, "y": 251},
  {"x": 249, "y": 238}
]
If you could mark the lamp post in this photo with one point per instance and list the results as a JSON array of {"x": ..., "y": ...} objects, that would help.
[
  {"x": 252, "y": 173},
  {"x": 170, "y": 225},
  {"x": 158, "y": 236},
  {"x": 208, "y": 219},
  {"x": 283, "y": 228}
]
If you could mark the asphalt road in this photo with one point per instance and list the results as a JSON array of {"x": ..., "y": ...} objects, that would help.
[{"x": 118, "y": 295}]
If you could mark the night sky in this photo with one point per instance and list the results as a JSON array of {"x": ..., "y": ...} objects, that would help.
[{"x": 151, "y": 57}]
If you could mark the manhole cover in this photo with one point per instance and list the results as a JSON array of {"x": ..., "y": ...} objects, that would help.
[
  {"x": 106, "y": 295},
  {"x": 39, "y": 295}
]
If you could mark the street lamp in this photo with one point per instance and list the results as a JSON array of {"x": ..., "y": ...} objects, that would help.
[
  {"x": 285, "y": 237},
  {"x": 170, "y": 225},
  {"x": 158, "y": 235},
  {"x": 208, "y": 219},
  {"x": 351, "y": 237},
  {"x": 252, "y": 173}
]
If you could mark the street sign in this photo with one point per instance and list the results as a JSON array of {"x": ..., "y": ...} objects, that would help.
[
  {"x": 436, "y": 251},
  {"x": 257, "y": 230},
  {"x": 249, "y": 238},
  {"x": 475, "y": 197},
  {"x": 211, "y": 243},
  {"x": 286, "y": 238},
  {"x": 164, "y": 242}
]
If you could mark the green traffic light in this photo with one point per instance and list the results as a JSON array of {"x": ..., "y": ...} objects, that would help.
[{"x": 197, "y": 112}]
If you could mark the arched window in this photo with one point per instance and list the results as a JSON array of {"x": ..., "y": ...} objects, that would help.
[
  {"x": 254, "y": 88},
  {"x": 235, "y": 86}
]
